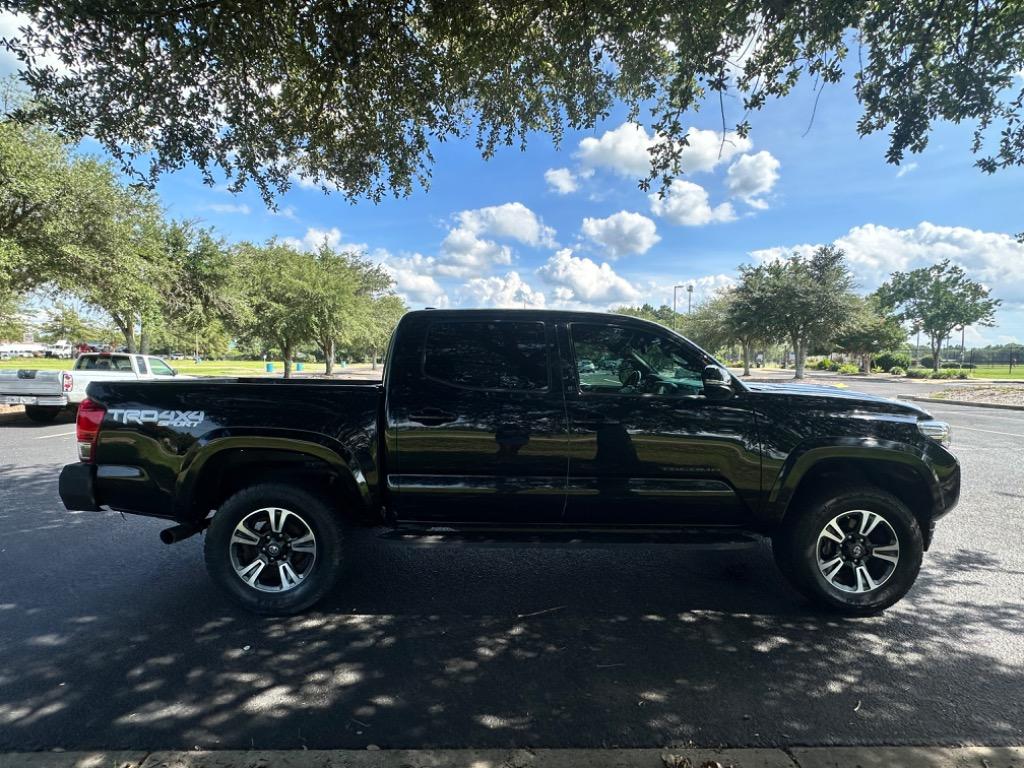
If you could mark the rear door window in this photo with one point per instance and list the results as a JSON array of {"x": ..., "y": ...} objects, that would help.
[{"x": 487, "y": 355}]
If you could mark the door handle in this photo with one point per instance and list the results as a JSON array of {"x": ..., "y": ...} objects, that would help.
[{"x": 432, "y": 417}]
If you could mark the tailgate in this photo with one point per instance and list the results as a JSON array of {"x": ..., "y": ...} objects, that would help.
[{"x": 15, "y": 385}]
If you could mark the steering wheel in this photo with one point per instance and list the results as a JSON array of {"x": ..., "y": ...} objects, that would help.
[{"x": 630, "y": 376}]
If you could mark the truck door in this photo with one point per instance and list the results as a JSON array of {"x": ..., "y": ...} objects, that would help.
[
  {"x": 646, "y": 445},
  {"x": 476, "y": 427}
]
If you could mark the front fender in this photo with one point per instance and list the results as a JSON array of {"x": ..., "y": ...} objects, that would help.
[
  {"x": 811, "y": 453},
  {"x": 332, "y": 452}
]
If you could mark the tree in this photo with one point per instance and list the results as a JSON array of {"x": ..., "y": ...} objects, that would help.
[
  {"x": 743, "y": 318},
  {"x": 117, "y": 262},
  {"x": 663, "y": 315},
  {"x": 385, "y": 314},
  {"x": 355, "y": 95},
  {"x": 707, "y": 323},
  {"x": 275, "y": 279},
  {"x": 938, "y": 299},
  {"x": 12, "y": 316},
  {"x": 201, "y": 298},
  {"x": 806, "y": 300},
  {"x": 870, "y": 330},
  {"x": 342, "y": 293},
  {"x": 65, "y": 323}
]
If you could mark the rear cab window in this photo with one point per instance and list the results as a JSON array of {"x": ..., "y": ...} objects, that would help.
[
  {"x": 104, "y": 363},
  {"x": 508, "y": 356}
]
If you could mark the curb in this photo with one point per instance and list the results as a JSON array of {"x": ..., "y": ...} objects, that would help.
[
  {"x": 799, "y": 757},
  {"x": 962, "y": 403}
]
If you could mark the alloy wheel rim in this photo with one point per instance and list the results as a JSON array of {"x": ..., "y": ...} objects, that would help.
[
  {"x": 858, "y": 551},
  {"x": 272, "y": 549}
]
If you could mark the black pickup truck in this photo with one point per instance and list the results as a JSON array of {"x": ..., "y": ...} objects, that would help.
[{"x": 529, "y": 424}]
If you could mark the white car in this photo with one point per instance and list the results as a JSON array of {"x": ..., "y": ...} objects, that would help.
[{"x": 45, "y": 393}]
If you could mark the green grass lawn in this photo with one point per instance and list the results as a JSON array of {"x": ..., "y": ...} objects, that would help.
[
  {"x": 184, "y": 367},
  {"x": 998, "y": 372}
]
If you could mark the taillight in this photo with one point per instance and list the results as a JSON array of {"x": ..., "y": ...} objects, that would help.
[
  {"x": 87, "y": 428},
  {"x": 68, "y": 382}
]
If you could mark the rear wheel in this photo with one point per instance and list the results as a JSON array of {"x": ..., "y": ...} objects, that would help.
[
  {"x": 274, "y": 548},
  {"x": 42, "y": 414},
  {"x": 857, "y": 550}
]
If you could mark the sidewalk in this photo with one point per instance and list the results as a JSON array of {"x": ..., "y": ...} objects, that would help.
[{"x": 797, "y": 757}]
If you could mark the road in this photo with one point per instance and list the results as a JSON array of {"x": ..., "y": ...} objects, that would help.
[{"x": 110, "y": 639}]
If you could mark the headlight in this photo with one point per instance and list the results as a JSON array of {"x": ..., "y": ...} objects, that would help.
[{"x": 936, "y": 430}]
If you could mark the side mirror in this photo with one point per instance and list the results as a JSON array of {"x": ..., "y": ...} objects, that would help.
[{"x": 717, "y": 383}]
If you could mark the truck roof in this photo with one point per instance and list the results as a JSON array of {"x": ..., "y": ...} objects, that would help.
[{"x": 524, "y": 314}]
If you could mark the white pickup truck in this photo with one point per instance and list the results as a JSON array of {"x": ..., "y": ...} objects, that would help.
[{"x": 44, "y": 393}]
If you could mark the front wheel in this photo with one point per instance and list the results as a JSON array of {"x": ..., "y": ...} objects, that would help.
[
  {"x": 274, "y": 548},
  {"x": 42, "y": 414},
  {"x": 856, "y": 550}
]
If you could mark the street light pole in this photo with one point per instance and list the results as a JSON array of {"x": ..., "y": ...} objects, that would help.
[
  {"x": 675, "y": 288},
  {"x": 689, "y": 298}
]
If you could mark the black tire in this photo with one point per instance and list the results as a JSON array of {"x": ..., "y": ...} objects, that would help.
[
  {"x": 312, "y": 511},
  {"x": 42, "y": 414},
  {"x": 796, "y": 548}
]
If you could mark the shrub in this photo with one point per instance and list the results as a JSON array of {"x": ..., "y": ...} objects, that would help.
[
  {"x": 888, "y": 360},
  {"x": 826, "y": 364},
  {"x": 847, "y": 369},
  {"x": 948, "y": 373},
  {"x": 957, "y": 365},
  {"x": 897, "y": 371},
  {"x": 917, "y": 373}
]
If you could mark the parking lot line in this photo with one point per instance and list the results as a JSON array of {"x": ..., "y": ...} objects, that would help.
[{"x": 59, "y": 434}]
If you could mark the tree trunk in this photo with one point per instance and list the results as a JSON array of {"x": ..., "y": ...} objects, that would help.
[
  {"x": 127, "y": 329},
  {"x": 799, "y": 352},
  {"x": 144, "y": 343},
  {"x": 936, "y": 352},
  {"x": 287, "y": 351},
  {"x": 373, "y": 358},
  {"x": 746, "y": 358},
  {"x": 329, "y": 357}
]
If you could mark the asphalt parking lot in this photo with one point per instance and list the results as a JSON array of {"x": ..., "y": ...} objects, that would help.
[{"x": 109, "y": 639}]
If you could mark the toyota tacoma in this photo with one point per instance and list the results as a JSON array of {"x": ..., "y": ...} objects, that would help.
[{"x": 527, "y": 425}]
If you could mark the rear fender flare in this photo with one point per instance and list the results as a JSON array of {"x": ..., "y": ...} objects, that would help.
[{"x": 333, "y": 453}]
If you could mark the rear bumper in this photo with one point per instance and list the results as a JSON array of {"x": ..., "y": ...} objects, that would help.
[
  {"x": 58, "y": 401},
  {"x": 78, "y": 487}
]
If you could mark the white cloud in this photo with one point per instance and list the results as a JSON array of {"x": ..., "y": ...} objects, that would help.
[
  {"x": 464, "y": 254},
  {"x": 622, "y": 233},
  {"x": 561, "y": 180},
  {"x": 905, "y": 169},
  {"x": 314, "y": 238},
  {"x": 10, "y": 24},
  {"x": 287, "y": 212},
  {"x": 623, "y": 150},
  {"x": 752, "y": 176},
  {"x": 995, "y": 259},
  {"x": 508, "y": 291},
  {"x": 241, "y": 208},
  {"x": 511, "y": 220},
  {"x": 687, "y": 204},
  {"x": 707, "y": 149},
  {"x": 626, "y": 150},
  {"x": 413, "y": 279},
  {"x": 581, "y": 280}
]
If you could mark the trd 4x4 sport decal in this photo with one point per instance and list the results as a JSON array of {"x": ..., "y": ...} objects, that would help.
[{"x": 160, "y": 418}]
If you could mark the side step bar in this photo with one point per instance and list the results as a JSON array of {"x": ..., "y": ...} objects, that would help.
[{"x": 705, "y": 538}]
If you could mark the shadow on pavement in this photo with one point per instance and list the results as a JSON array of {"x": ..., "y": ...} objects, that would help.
[{"x": 109, "y": 639}]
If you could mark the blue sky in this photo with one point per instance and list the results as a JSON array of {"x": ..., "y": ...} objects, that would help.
[{"x": 569, "y": 227}]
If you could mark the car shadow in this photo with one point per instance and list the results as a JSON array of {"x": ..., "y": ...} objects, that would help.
[{"x": 111, "y": 640}]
